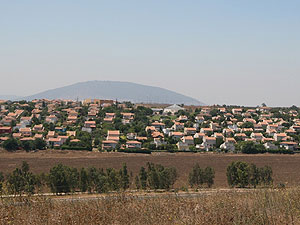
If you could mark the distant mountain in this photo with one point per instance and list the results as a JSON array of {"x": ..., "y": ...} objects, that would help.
[
  {"x": 122, "y": 91},
  {"x": 9, "y": 97}
]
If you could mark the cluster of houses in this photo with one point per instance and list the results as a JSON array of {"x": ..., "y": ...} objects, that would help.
[{"x": 187, "y": 128}]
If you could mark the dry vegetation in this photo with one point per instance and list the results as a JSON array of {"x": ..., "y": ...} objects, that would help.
[
  {"x": 285, "y": 167},
  {"x": 259, "y": 207}
]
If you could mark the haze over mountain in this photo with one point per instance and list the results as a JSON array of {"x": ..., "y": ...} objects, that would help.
[
  {"x": 122, "y": 91},
  {"x": 9, "y": 97}
]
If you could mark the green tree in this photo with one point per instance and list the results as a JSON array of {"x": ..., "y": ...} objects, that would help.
[
  {"x": 209, "y": 175},
  {"x": 113, "y": 179},
  {"x": 21, "y": 180},
  {"x": 254, "y": 177},
  {"x": 83, "y": 181},
  {"x": 238, "y": 174},
  {"x": 11, "y": 144},
  {"x": 143, "y": 178},
  {"x": 124, "y": 177},
  {"x": 39, "y": 144},
  {"x": 1, "y": 182},
  {"x": 265, "y": 175},
  {"x": 196, "y": 178},
  {"x": 63, "y": 179}
]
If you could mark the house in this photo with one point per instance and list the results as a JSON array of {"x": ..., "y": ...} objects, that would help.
[
  {"x": 182, "y": 118},
  {"x": 240, "y": 136},
  {"x": 176, "y": 135},
  {"x": 178, "y": 126},
  {"x": 5, "y": 130},
  {"x": 71, "y": 133},
  {"x": 17, "y": 135},
  {"x": 228, "y": 146},
  {"x": 92, "y": 114},
  {"x": 55, "y": 142},
  {"x": 51, "y": 134},
  {"x": 60, "y": 129},
  {"x": 199, "y": 119},
  {"x": 159, "y": 142},
  {"x": 131, "y": 136},
  {"x": 38, "y": 136},
  {"x": 26, "y": 132},
  {"x": 206, "y": 131},
  {"x": 190, "y": 131},
  {"x": 183, "y": 146},
  {"x": 288, "y": 145},
  {"x": 189, "y": 140},
  {"x": 71, "y": 119},
  {"x": 133, "y": 144},
  {"x": 63, "y": 139},
  {"x": 110, "y": 115},
  {"x": 157, "y": 134},
  {"x": 109, "y": 144},
  {"x": 270, "y": 146},
  {"x": 90, "y": 124},
  {"x": 38, "y": 128},
  {"x": 280, "y": 136},
  {"x": 128, "y": 116},
  {"x": 209, "y": 143},
  {"x": 158, "y": 126},
  {"x": 51, "y": 119},
  {"x": 199, "y": 136},
  {"x": 108, "y": 119},
  {"x": 172, "y": 109},
  {"x": 237, "y": 111},
  {"x": 26, "y": 121},
  {"x": 257, "y": 136},
  {"x": 113, "y": 135},
  {"x": 218, "y": 136},
  {"x": 214, "y": 126}
]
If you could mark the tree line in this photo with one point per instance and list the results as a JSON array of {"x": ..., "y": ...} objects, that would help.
[{"x": 65, "y": 179}]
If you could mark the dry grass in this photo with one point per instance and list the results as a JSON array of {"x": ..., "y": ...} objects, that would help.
[
  {"x": 285, "y": 167},
  {"x": 260, "y": 207}
]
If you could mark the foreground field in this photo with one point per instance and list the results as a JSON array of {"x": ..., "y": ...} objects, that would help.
[
  {"x": 257, "y": 207},
  {"x": 285, "y": 167}
]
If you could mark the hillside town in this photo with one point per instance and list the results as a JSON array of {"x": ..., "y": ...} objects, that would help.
[{"x": 108, "y": 125}]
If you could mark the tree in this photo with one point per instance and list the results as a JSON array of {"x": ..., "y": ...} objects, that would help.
[
  {"x": 39, "y": 144},
  {"x": 63, "y": 179},
  {"x": 113, "y": 179},
  {"x": 1, "y": 182},
  {"x": 253, "y": 175},
  {"x": 11, "y": 144},
  {"x": 21, "y": 180},
  {"x": 102, "y": 183},
  {"x": 241, "y": 174},
  {"x": 83, "y": 181},
  {"x": 198, "y": 176},
  {"x": 27, "y": 145},
  {"x": 124, "y": 177},
  {"x": 143, "y": 178},
  {"x": 249, "y": 147},
  {"x": 209, "y": 175},
  {"x": 265, "y": 175},
  {"x": 237, "y": 174}
]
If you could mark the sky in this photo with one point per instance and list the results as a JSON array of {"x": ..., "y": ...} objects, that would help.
[{"x": 219, "y": 52}]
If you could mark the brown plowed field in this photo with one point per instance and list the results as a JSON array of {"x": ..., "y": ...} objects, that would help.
[{"x": 286, "y": 168}]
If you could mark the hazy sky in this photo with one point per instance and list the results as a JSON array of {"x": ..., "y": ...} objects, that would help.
[{"x": 225, "y": 52}]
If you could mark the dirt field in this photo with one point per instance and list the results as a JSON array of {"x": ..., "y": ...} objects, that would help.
[{"x": 285, "y": 167}]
